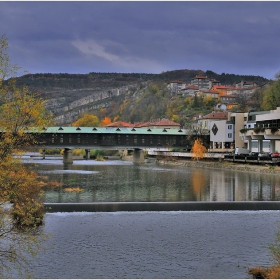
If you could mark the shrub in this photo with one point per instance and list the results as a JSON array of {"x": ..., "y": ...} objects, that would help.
[
  {"x": 96, "y": 153},
  {"x": 257, "y": 129},
  {"x": 243, "y": 130},
  {"x": 78, "y": 152},
  {"x": 50, "y": 151},
  {"x": 273, "y": 129}
]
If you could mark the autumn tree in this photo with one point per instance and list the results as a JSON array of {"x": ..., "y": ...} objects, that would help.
[
  {"x": 105, "y": 121},
  {"x": 198, "y": 150},
  {"x": 20, "y": 188},
  {"x": 209, "y": 101},
  {"x": 87, "y": 121},
  {"x": 271, "y": 98}
]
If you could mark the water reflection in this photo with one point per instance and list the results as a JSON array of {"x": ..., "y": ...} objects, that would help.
[{"x": 123, "y": 181}]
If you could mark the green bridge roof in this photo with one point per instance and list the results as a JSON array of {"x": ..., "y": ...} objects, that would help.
[{"x": 114, "y": 130}]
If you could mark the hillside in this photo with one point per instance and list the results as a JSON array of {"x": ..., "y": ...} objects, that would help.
[{"x": 117, "y": 95}]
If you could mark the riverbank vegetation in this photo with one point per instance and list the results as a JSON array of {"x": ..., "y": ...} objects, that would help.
[
  {"x": 272, "y": 272},
  {"x": 21, "y": 204}
]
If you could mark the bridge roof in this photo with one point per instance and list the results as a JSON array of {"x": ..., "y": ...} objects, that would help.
[{"x": 113, "y": 130}]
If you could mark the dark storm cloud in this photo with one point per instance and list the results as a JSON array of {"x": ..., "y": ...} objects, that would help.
[{"x": 80, "y": 37}]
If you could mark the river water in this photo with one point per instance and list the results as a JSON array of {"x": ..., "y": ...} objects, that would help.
[
  {"x": 118, "y": 181},
  {"x": 183, "y": 244}
]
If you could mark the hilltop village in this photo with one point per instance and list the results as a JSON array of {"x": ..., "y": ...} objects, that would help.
[
  {"x": 256, "y": 131},
  {"x": 206, "y": 87}
]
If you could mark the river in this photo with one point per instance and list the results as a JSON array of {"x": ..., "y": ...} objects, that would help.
[{"x": 172, "y": 244}]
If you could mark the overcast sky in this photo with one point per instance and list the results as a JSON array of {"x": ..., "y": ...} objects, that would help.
[{"x": 147, "y": 37}]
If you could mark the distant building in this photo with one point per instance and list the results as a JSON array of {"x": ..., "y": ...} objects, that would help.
[
  {"x": 245, "y": 84},
  {"x": 190, "y": 90},
  {"x": 204, "y": 122},
  {"x": 160, "y": 123},
  {"x": 224, "y": 134},
  {"x": 176, "y": 86},
  {"x": 226, "y": 99},
  {"x": 203, "y": 82},
  {"x": 120, "y": 124}
]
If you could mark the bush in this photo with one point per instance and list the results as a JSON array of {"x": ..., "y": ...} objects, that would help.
[
  {"x": 78, "y": 152},
  {"x": 96, "y": 153},
  {"x": 50, "y": 151},
  {"x": 273, "y": 129},
  {"x": 257, "y": 130},
  {"x": 243, "y": 130}
]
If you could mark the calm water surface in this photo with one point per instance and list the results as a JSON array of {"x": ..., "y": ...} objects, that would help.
[
  {"x": 124, "y": 181},
  {"x": 192, "y": 244}
]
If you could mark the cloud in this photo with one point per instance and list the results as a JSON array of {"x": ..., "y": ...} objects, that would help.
[
  {"x": 146, "y": 36},
  {"x": 91, "y": 47},
  {"x": 122, "y": 59}
]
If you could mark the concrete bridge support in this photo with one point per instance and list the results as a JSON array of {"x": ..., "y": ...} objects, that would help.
[
  {"x": 272, "y": 146},
  {"x": 138, "y": 156},
  {"x": 260, "y": 145},
  {"x": 67, "y": 156},
  {"x": 249, "y": 145},
  {"x": 87, "y": 153}
]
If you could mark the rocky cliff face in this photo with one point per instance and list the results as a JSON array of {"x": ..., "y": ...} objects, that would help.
[
  {"x": 69, "y": 96},
  {"x": 65, "y": 115}
]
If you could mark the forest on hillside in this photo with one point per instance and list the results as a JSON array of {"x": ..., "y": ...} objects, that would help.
[
  {"x": 149, "y": 100},
  {"x": 159, "y": 102}
]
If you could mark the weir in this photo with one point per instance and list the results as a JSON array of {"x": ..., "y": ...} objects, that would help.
[{"x": 163, "y": 206}]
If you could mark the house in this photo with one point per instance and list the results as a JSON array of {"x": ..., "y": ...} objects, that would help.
[
  {"x": 245, "y": 84},
  {"x": 213, "y": 94},
  {"x": 226, "y": 99},
  {"x": 190, "y": 90},
  {"x": 204, "y": 122},
  {"x": 176, "y": 86},
  {"x": 202, "y": 82},
  {"x": 160, "y": 123},
  {"x": 223, "y": 90},
  {"x": 224, "y": 134},
  {"x": 120, "y": 124}
]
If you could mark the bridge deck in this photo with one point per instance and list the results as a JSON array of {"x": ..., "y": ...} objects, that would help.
[{"x": 113, "y": 138}]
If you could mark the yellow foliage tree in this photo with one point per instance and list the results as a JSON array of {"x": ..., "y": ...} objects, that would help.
[
  {"x": 87, "y": 121},
  {"x": 198, "y": 150},
  {"x": 20, "y": 112},
  {"x": 106, "y": 121}
]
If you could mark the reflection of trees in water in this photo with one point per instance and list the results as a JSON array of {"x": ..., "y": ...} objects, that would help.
[
  {"x": 161, "y": 183},
  {"x": 198, "y": 183}
]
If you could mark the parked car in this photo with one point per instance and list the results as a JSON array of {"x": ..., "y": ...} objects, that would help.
[
  {"x": 241, "y": 151},
  {"x": 253, "y": 154},
  {"x": 264, "y": 154},
  {"x": 275, "y": 154}
]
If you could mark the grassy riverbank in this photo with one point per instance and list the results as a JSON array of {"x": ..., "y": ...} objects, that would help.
[{"x": 219, "y": 164}]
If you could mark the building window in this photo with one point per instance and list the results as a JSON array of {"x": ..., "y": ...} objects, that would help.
[
  {"x": 245, "y": 119},
  {"x": 230, "y": 126},
  {"x": 230, "y": 135}
]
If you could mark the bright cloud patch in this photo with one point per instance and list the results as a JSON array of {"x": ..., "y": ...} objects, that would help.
[{"x": 127, "y": 61}]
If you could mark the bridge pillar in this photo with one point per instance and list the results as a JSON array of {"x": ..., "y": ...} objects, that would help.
[
  {"x": 87, "y": 153},
  {"x": 260, "y": 146},
  {"x": 138, "y": 156},
  {"x": 67, "y": 156},
  {"x": 249, "y": 144},
  {"x": 272, "y": 146}
]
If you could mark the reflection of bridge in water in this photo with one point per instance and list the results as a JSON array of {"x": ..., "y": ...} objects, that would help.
[
  {"x": 137, "y": 139},
  {"x": 140, "y": 189}
]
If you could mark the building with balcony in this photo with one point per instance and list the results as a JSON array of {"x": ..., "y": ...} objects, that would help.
[{"x": 262, "y": 131}]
